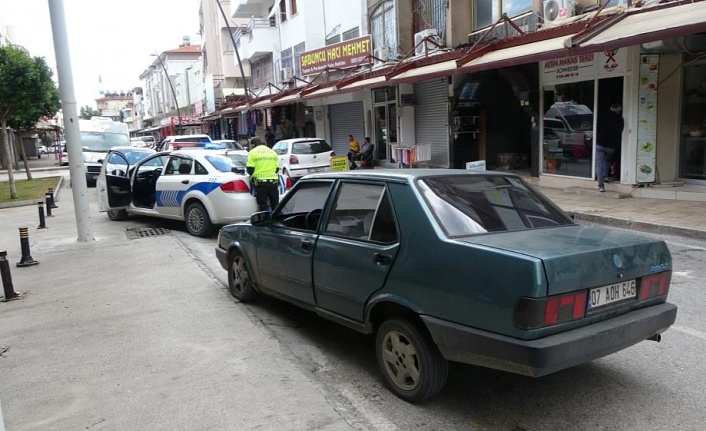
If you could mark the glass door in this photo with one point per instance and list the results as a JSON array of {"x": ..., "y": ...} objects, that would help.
[
  {"x": 692, "y": 160},
  {"x": 381, "y": 132}
]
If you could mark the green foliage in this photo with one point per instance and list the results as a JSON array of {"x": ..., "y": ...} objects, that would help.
[
  {"x": 27, "y": 91},
  {"x": 87, "y": 112}
]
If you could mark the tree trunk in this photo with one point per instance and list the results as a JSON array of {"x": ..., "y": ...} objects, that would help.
[
  {"x": 8, "y": 158},
  {"x": 23, "y": 154}
]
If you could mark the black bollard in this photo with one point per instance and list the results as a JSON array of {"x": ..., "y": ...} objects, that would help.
[
  {"x": 24, "y": 242},
  {"x": 42, "y": 224},
  {"x": 7, "y": 286},
  {"x": 51, "y": 194},
  {"x": 47, "y": 198}
]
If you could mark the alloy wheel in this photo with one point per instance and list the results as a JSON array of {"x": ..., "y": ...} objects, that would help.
[{"x": 401, "y": 360}]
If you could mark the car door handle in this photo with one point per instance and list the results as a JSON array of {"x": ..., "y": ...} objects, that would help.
[
  {"x": 307, "y": 245},
  {"x": 383, "y": 259},
  {"x": 185, "y": 181}
]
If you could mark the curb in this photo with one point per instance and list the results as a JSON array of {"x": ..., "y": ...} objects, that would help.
[
  {"x": 640, "y": 225},
  {"x": 28, "y": 202}
]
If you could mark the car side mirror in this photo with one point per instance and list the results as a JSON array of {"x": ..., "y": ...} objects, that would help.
[
  {"x": 260, "y": 218},
  {"x": 238, "y": 170}
]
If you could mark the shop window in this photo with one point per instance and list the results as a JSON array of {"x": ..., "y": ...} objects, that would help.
[
  {"x": 351, "y": 34},
  {"x": 383, "y": 27},
  {"x": 568, "y": 129},
  {"x": 693, "y": 122},
  {"x": 487, "y": 12}
]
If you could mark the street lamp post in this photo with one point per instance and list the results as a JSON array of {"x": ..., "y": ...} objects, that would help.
[{"x": 169, "y": 81}]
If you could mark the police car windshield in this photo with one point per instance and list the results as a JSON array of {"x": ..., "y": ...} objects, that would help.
[{"x": 226, "y": 163}]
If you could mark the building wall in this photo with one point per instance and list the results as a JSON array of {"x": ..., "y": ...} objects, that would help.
[{"x": 668, "y": 116}]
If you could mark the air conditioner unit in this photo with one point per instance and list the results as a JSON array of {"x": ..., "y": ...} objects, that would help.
[
  {"x": 423, "y": 48},
  {"x": 285, "y": 74},
  {"x": 383, "y": 53},
  {"x": 556, "y": 10}
]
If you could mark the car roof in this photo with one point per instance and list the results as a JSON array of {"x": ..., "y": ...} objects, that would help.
[
  {"x": 403, "y": 174},
  {"x": 301, "y": 140},
  {"x": 125, "y": 147}
]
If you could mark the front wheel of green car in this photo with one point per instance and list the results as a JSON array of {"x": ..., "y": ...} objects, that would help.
[{"x": 239, "y": 279}]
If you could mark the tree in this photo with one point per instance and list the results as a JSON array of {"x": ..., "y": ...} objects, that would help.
[
  {"x": 27, "y": 92},
  {"x": 87, "y": 112},
  {"x": 26, "y": 120}
]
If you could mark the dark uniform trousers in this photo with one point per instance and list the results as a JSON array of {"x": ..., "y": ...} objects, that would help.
[{"x": 267, "y": 194}]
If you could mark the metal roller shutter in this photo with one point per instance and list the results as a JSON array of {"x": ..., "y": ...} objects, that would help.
[
  {"x": 432, "y": 118},
  {"x": 346, "y": 119}
]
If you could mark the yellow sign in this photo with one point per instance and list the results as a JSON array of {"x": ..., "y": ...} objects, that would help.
[{"x": 339, "y": 163}]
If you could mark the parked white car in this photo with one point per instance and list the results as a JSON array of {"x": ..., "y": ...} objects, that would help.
[
  {"x": 177, "y": 141},
  {"x": 301, "y": 156},
  {"x": 204, "y": 188}
]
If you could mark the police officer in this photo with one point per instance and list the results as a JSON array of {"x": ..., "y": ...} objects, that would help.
[{"x": 263, "y": 165}]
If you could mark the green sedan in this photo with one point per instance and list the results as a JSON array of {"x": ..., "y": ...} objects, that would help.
[{"x": 452, "y": 265}]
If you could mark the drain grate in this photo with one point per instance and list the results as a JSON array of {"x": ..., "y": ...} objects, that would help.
[{"x": 145, "y": 232}]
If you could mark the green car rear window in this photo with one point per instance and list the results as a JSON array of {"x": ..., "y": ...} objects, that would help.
[{"x": 476, "y": 204}]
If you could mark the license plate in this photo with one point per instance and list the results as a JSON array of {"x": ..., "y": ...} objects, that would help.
[
  {"x": 605, "y": 295},
  {"x": 312, "y": 170}
]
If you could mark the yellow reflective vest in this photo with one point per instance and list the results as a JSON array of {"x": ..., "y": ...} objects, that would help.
[{"x": 265, "y": 162}]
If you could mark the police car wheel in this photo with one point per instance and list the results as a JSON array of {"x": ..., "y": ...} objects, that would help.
[
  {"x": 117, "y": 215},
  {"x": 198, "y": 223},
  {"x": 239, "y": 280}
]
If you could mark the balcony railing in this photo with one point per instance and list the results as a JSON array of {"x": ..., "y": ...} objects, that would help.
[{"x": 259, "y": 23}]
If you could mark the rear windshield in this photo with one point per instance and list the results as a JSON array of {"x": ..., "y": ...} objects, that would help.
[
  {"x": 226, "y": 163},
  {"x": 310, "y": 147},
  {"x": 475, "y": 204}
]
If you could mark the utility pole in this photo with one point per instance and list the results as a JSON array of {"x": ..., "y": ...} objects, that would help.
[
  {"x": 237, "y": 54},
  {"x": 79, "y": 186}
]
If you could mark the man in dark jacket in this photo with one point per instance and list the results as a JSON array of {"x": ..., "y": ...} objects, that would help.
[{"x": 608, "y": 142}]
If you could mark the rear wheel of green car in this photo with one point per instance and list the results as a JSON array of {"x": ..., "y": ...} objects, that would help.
[
  {"x": 411, "y": 364},
  {"x": 239, "y": 280}
]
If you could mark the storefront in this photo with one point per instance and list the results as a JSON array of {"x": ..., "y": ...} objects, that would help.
[
  {"x": 576, "y": 95},
  {"x": 346, "y": 119},
  {"x": 432, "y": 118},
  {"x": 692, "y": 137}
]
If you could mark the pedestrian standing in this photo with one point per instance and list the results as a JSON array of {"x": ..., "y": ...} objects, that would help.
[
  {"x": 263, "y": 168},
  {"x": 353, "y": 151},
  {"x": 270, "y": 138},
  {"x": 610, "y": 134}
]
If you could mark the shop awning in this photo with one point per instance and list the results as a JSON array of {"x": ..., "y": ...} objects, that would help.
[
  {"x": 292, "y": 98},
  {"x": 364, "y": 84},
  {"x": 321, "y": 92},
  {"x": 516, "y": 55},
  {"x": 648, "y": 25},
  {"x": 436, "y": 70}
]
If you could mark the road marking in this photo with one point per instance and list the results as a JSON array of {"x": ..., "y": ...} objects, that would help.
[{"x": 689, "y": 331}]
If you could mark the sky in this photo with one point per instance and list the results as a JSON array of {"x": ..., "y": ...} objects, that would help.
[{"x": 108, "y": 39}]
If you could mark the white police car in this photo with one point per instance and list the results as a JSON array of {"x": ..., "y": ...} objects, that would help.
[{"x": 204, "y": 188}]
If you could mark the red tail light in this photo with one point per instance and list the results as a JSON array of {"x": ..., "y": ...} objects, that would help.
[
  {"x": 287, "y": 183},
  {"x": 654, "y": 285},
  {"x": 237, "y": 186},
  {"x": 537, "y": 313},
  {"x": 293, "y": 160}
]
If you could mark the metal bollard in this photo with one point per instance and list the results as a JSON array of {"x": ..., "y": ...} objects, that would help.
[
  {"x": 42, "y": 224},
  {"x": 7, "y": 286},
  {"x": 24, "y": 242},
  {"x": 47, "y": 198},
  {"x": 51, "y": 194}
]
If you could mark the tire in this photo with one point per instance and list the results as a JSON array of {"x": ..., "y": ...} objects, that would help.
[
  {"x": 239, "y": 279},
  {"x": 198, "y": 223},
  {"x": 410, "y": 362},
  {"x": 117, "y": 215}
]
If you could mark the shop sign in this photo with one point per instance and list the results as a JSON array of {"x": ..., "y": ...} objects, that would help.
[
  {"x": 645, "y": 170},
  {"x": 339, "y": 163},
  {"x": 584, "y": 66},
  {"x": 340, "y": 55}
]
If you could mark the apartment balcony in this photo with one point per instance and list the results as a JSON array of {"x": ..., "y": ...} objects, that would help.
[
  {"x": 248, "y": 8},
  {"x": 259, "y": 38}
]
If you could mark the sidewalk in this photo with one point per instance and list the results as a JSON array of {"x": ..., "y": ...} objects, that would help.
[{"x": 120, "y": 334}]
